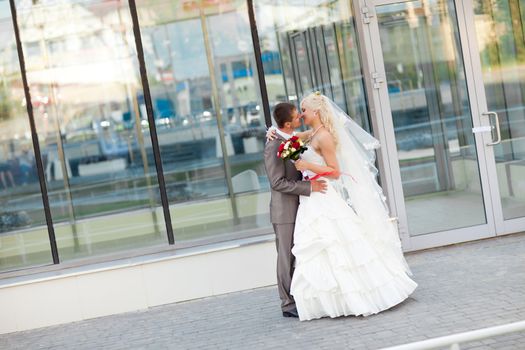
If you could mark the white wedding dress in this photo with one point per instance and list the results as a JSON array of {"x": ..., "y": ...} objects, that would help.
[{"x": 342, "y": 268}]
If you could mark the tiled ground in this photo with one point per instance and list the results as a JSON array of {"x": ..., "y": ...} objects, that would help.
[{"x": 462, "y": 287}]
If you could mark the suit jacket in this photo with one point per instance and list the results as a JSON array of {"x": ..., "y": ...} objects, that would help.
[{"x": 286, "y": 183}]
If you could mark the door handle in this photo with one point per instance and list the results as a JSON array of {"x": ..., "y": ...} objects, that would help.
[{"x": 496, "y": 125}]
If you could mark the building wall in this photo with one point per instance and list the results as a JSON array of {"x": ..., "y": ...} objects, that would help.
[{"x": 134, "y": 284}]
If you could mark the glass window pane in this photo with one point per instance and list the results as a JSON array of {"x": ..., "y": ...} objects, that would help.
[
  {"x": 431, "y": 115},
  {"x": 503, "y": 63},
  {"x": 24, "y": 239},
  {"x": 313, "y": 46},
  {"x": 201, "y": 70},
  {"x": 90, "y": 115}
]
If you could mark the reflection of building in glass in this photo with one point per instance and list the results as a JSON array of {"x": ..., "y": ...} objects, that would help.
[{"x": 91, "y": 118}]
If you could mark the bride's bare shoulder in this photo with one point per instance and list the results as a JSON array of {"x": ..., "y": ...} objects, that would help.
[{"x": 325, "y": 137}]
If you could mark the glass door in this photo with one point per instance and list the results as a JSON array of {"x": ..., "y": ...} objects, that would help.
[
  {"x": 429, "y": 117},
  {"x": 496, "y": 32}
]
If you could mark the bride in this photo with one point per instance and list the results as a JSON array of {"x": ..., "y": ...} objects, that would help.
[{"x": 348, "y": 253}]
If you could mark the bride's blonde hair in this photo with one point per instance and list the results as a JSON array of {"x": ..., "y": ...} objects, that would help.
[{"x": 319, "y": 103}]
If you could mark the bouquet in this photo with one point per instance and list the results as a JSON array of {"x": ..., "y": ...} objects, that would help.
[{"x": 291, "y": 149}]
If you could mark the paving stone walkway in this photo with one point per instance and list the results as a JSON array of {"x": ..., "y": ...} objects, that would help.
[{"x": 461, "y": 287}]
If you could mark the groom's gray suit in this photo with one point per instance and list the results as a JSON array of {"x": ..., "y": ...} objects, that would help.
[{"x": 287, "y": 186}]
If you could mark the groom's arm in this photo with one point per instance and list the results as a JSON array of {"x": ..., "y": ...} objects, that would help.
[{"x": 275, "y": 170}]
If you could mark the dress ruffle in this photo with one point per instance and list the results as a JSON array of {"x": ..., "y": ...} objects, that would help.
[{"x": 340, "y": 271}]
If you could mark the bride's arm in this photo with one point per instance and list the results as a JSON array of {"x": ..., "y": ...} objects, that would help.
[
  {"x": 271, "y": 134},
  {"x": 304, "y": 135},
  {"x": 327, "y": 148}
]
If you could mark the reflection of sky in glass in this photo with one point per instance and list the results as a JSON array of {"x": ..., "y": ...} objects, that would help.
[
  {"x": 4, "y": 8},
  {"x": 229, "y": 35},
  {"x": 5, "y": 23},
  {"x": 185, "y": 42},
  {"x": 187, "y": 47}
]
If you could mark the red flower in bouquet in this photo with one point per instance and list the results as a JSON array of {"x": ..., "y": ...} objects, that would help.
[{"x": 291, "y": 149}]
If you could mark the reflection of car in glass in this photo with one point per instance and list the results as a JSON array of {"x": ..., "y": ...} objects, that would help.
[
  {"x": 112, "y": 142},
  {"x": 166, "y": 122},
  {"x": 79, "y": 129},
  {"x": 253, "y": 115},
  {"x": 10, "y": 220},
  {"x": 206, "y": 116}
]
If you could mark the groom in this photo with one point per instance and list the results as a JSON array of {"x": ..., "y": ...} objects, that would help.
[{"x": 287, "y": 185}]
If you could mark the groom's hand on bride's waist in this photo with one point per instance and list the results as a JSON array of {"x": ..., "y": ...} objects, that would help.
[{"x": 318, "y": 186}]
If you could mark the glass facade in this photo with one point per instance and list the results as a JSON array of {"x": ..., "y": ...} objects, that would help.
[
  {"x": 83, "y": 74},
  {"x": 207, "y": 106},
  {"x": 146, "y": 121},
  {"x": 91, "y": 117},
  {"x": 90, "y": 110},
  {"x": 24, "y": 239}
]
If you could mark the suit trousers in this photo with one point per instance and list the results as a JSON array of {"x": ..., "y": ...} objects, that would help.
[{"x": 285, "y": 263}]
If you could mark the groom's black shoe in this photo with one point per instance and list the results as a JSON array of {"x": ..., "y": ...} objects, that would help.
[{"x": 291, "y": 313}]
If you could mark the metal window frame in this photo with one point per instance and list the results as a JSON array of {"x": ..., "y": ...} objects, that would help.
[
  {"x": 325, "y": 58},
  {"x": 151, "y": 121},
  {"x": 34, "y": 137},
  {"x": 258, "y": 62}
]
